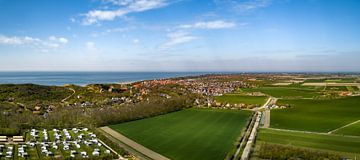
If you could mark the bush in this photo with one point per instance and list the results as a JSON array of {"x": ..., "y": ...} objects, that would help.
[
  {"x": 8, "y": 132},
  {"x": 281, "y": 152}
]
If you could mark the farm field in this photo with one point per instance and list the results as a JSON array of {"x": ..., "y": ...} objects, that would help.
[
  {"x": 287, "y": 92},
  {"x": 349, "y": 146},
  {"x": 316, "y": 115},
  {"x": 331, "y": 80},
  {"x": 237, "y": 99},
  {"x": 336, "y": 88},
  {"x": 353, "y": 129},
  {"x": 188, "y": 134}
]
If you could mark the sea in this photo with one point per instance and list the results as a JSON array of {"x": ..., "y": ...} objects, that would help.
[{"x": 84, "y": 78}]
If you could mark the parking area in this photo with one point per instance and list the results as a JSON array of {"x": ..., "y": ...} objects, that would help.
[{"x": 75, "y": 143}]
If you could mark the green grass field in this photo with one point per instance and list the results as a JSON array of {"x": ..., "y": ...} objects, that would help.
[
  {"x": 336, "y": 143},
  {"x": 287, "y": 92},
  {"x": 237, "y": 99},
  {"x": 316, "y": 115},
  {"x": 336, "y": 88},
  {"x": 188, "y": 134},
  {"x": 353, "y": 129}
]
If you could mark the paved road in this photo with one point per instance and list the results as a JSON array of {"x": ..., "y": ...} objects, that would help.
[
  {"x": 266, "y": 113},
  {"x": 143, "y": 150},
  {"x": 251, "y": 139},
  {"x": 245, "y": 138},
  {"x": 247, "y": 150}
]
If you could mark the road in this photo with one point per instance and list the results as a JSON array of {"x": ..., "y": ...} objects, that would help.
[
  {"x": 266, "y": 115},
  {"x": 149, "y": 154},
  {"x": 245, "y": 138},
  {"x": 247, "y": 150},
  {"x": 250, "y": 138}
]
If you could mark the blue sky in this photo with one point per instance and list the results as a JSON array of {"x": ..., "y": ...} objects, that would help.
[{"x": 180, "y": 35}]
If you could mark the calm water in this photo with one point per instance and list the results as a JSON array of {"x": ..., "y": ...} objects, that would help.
[{"x": 83, "y": 78}]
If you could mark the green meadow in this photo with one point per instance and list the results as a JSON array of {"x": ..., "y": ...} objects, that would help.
[
  {"x": 316, "y": 115},
  {"x": 353, "y": 129},
  {"x": 237, "y": 99},
  {"x": 349, "y": 146},
  {"x": 190, "y": 134},
  {"x": 287, "y": 92}
]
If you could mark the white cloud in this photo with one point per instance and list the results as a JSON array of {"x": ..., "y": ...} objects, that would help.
[
  {"x": 58, "y": 40},
  {"x": 136, "y": 41},
  {"x": 124, "y": 7},
  {"x": 177, "y": 38},
  {"x": 4, "y": 40},
  {"x": 91, "y": 47},
  {"x": 245, "y": 5},
  {"x": 43, "y": 45},
  {"x": 252, "y": 4},
  {"x": 218, "y": 24}
]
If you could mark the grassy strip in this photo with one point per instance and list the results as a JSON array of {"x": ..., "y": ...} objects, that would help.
[
  {"x": 237, "y": 99},
  {"x": 285, "y": 152},
  {"x": 349, "y": 145},
  {"x": 316, "y": 115},
  {"x": 353, "y": 129}
]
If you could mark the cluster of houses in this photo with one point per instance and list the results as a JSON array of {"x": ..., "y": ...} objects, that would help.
[
  {"x": 206, "y": 86},
  {"x": 274, "y": 106},
  {"x": 72, "y": 143},
  {"x": 11, "y": 139},
  {"x": 22, "y": 152}
]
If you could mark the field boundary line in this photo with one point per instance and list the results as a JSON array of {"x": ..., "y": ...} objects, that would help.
[
  {"x": 344, "y": 126},
  {"x": 138, "y": 147},
  {"x": 309, "y": 132}
]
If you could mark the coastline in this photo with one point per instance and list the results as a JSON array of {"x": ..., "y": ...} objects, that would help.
[{"x": 87, "y": 78}]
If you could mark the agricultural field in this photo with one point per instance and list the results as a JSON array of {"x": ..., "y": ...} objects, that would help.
[
  {"x": 237, "y": 99},
  {"x": 58, "y": 144},
  {"x": 353, "y": 129},
  {"x": 336, "y": 88},
  {"x": 288, "y": 91},
  {"x": 331, "y": 80},
  {"x": 352, "y": 88},
  {"x": 348, "y": 146},
  {"x": 189, "y": 134},
  {"x": 316, "y": 115}
]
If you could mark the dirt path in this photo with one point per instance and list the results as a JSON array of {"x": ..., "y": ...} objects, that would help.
[
  {"x": 266, "y": 118},
  {"x": 69, "y": 96},
  {"x": 343, "y": 126},
  {"x": 130, "y": 143}
]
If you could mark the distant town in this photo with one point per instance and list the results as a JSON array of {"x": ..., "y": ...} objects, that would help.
[{"x": 71, "y": 121}]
